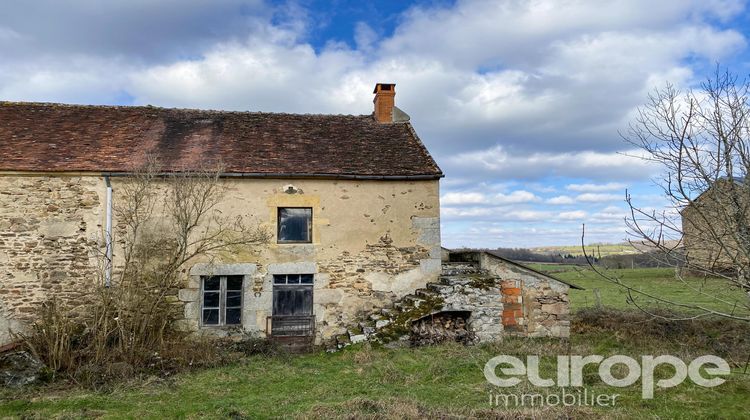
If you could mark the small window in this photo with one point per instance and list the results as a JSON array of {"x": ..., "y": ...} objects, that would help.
[
  {"x": 221, "y": 302},
  {"x": 295, "y": 225},
  {"x": 292, "y": 279}
]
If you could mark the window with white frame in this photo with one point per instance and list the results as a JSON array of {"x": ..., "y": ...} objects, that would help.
[{"x": 221, "y": 300}]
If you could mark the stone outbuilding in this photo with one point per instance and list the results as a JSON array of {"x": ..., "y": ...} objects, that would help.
[{"x": 479, "y": 297}]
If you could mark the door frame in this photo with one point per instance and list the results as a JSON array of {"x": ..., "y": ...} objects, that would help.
[{"x": 291, "y": 325}]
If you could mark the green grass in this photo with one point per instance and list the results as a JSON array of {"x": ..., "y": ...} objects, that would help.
[
  {"x": 440, "y": 381},
  {"x": 425, "y": 382},
  {"x": 660, "y": 282}
]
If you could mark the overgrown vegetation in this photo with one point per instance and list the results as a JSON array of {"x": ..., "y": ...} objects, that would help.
[
  {"x": 437, "y": 382},
  {"x": 125, "y": 325}
]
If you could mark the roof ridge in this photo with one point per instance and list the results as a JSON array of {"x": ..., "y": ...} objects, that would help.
[{"x": 160, "y": 108}]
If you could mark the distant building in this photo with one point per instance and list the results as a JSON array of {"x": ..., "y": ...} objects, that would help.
[{"x": 716, "y": 227}]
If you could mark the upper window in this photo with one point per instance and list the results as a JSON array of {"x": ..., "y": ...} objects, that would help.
[
  {"x": 295, "y": 225},
  {"x": 221, "y": 300}
]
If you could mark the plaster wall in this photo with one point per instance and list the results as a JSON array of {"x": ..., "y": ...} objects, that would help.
[{"x": 372, "y": 242}]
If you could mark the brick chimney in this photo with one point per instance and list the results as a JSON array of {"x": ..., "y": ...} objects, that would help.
[{"x": 384, "y": 102}]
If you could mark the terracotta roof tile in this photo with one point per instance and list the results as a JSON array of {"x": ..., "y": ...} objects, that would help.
[{"x": 55, "y": 137}]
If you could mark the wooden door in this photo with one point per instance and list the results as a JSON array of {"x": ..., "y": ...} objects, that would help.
[{"x": 294, "y": 300}]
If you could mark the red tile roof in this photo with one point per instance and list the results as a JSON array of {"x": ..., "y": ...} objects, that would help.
[{"x": 55, "y": 137}]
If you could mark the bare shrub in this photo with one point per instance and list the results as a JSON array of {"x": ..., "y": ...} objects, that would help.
[
  {"x": 163, "y": 221},
  {"x": 54, "y": 338}
]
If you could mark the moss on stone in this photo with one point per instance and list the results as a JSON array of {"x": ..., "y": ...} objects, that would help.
[
  {"x": 401, "y": 322},
  {"x": 482, "y": 282}
]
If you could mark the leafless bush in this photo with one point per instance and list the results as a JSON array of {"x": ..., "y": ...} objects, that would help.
[
  {"x": 54, "y": 338},
  {"x": 163, "y": 221}
]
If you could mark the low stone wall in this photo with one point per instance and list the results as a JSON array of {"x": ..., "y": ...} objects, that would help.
[
  {"x": 484, "y": 302},
  {"x": 543, "y": 306},
  {"x": 547, "y": 309},
  {"x": 493, "y": 296}
]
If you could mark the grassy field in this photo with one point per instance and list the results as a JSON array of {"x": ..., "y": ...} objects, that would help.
[
  {"x": 434, "y": 382},
  {"x": 657, "y": 281}
]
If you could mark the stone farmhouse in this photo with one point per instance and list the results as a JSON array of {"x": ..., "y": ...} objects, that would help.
[{"x": 352, "y": 202}]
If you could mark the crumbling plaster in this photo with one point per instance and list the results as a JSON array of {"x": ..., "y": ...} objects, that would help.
[{"x": 373, "y": 241}]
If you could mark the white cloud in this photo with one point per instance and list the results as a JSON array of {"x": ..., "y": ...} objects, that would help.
[
  {"x": 608, "y": 216},
  {"x": 598, "y": 197},
  {"x": 596, "y": 187},
  {"x": 561, "y": 199},
  {"x": 364, "y": 36},
  {"x": 463, "y": 198},
  {"x": 573, "y": 215},
  {"x": 497, "y": 161},
  {"x": 515, "y": 197}
]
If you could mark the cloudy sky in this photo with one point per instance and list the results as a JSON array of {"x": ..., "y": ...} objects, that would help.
[{"x": 519, "y": 101}]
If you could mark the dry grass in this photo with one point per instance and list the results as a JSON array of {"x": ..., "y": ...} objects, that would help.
[{"x": 392, "y": 408}]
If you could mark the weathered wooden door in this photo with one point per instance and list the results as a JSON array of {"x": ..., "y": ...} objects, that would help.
[
  {"x": 292, "y": 300},
  {"x": 292, "y": 306}
]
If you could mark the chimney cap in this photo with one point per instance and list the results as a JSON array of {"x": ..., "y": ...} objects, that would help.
[{"x": 384, "y": 86}]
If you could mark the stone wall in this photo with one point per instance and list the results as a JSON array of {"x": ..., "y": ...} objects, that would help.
[
  {"x": 372, "y": 241},
  {"x": 547, "y": 309},
  {"x": 495, "y": 297},
  {"x": 47, "y": 224},
  {"x": 712, "y": 229},
  {"x": 484, "y": 303},
  {"x": 374, "y": 278},
  {"x": 535, "y": 305},
  {"x": 709, "y": 240}
]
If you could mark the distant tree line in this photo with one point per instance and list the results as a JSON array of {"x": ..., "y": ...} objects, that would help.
[
  {"x": 637, "y": 260},
  {"x": 527, "y": 255}
]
